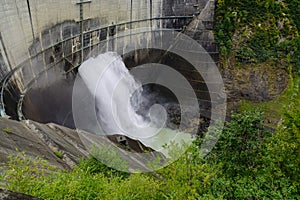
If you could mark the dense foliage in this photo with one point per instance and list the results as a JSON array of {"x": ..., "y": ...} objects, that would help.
[
  {"x": 247, "y": 163},
  {"x": 259, "y": 31}
]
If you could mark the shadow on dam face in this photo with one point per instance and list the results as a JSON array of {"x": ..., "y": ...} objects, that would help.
[
  {"x": 51, "y": 102},
  {"x": 49, "y": 97}
]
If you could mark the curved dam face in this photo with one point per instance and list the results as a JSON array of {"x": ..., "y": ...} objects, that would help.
[{"x": 42, "y": 44}]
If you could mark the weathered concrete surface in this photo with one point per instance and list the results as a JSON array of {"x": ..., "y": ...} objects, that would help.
[
  {"x": 23, "y": 22},
  {"x": 38, "y": 140},
  {"x": 201, "y": 29},
  {"x": 9, "y": 195}
]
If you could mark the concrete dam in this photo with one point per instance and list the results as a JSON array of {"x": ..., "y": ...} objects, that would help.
[{"x": 43, "y": 43}]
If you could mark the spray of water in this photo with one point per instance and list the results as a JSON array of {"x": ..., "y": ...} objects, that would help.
[{"x": 118, "y": 96}]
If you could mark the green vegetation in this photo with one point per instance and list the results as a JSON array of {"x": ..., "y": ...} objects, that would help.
[
  {"x": 58, "y": 154},
  {"x": 7, "y": 130},
  {"x": 247, "y": 163},
  {"x": 259, "y": 31}
]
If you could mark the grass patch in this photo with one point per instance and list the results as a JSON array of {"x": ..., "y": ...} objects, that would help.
[
  {"x": 58, "y": 154},
  {"x": 7, "y": 130}
]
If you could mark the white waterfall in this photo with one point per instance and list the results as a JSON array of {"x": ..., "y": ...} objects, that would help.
[{"x": 112, "y": 87}]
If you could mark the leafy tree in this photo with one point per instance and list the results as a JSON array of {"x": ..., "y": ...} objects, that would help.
[{"x": 237, "y": 147}]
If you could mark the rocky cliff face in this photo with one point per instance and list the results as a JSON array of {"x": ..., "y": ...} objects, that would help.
[{"x": 256, "y": 83}]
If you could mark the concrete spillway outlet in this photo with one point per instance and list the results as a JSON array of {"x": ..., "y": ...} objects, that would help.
[{"x": 49, "y": 97}]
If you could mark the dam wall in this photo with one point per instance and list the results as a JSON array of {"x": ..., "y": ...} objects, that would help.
[
  {"x": 43, "y": 42},
  {"x": 24, "y": 22}
]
